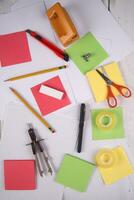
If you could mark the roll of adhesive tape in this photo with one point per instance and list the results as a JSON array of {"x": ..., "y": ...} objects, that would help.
[
  {"x": 106, "y": 158},
  {"x": 105, "y": 120}
]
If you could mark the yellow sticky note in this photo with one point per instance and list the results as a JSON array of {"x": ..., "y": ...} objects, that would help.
[
  {"x": 98, "y": 85},
  {"x": 114, "y": 168}
]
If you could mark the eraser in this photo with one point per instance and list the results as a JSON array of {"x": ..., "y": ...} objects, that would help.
[{"x": 51, "y": 92}]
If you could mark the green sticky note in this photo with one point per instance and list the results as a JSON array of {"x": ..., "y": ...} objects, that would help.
[
  {"x": 75, "y": 173},
  {"x": 105, "y": 127},
  {"x": 90, "y": 48}
]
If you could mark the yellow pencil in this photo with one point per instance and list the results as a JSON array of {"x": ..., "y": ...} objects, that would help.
[
  {"x": 32, "y": 110},
  {"x": 36, "y": 73}
]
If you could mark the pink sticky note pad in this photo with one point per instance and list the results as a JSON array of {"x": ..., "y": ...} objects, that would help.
[
  {"x": 48, "y": 104},
  {"x": 19, "y": 174},
  {"x": 14, "y": 49}
]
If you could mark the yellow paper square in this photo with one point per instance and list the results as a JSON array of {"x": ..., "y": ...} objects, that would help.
[
  {"x": 98, "y": 85},
  {"x": 122, "y": 169}
]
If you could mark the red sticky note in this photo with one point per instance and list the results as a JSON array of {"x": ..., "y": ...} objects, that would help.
[
  {"x": 19, "y": 174},
  {"x": 14, "y": 49},
  {"x": 48, "y": 104}
]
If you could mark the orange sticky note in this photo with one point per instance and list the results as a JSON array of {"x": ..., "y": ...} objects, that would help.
[
  {"x": 19, "y": 174},
  {"x": 14, "y": 49},
  {"x": 48, "y": 104}
]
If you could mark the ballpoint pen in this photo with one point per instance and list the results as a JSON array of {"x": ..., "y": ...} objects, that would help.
[{"x": 81, "y": 125}]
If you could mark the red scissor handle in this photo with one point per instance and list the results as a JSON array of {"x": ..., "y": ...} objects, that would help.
[
  {"x": 124, "y": 91},
  {"x": 112, "y": 101}
]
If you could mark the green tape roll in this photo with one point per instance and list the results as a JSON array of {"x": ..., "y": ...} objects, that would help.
[{"x": 105, "y": 120}]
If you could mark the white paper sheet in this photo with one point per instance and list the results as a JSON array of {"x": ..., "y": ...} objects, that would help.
[
  {"x": 13, "y": 146},
  {"x": 88, "y": 15}
]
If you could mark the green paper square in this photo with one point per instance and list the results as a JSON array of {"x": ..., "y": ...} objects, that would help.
[
  {"x": 75, "y": 173},
  {"x": 87, "y": 44},
  {"x": 116, "y": 132}
]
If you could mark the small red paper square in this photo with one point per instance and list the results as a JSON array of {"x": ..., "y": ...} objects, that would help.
[
  {"x": 19, "y": 174},
  {"x": 48, "y": 104},
  {"x": 14, "y": 49}
]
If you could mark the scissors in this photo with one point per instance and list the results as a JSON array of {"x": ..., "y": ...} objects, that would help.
[{"x": 124, "y": 91}]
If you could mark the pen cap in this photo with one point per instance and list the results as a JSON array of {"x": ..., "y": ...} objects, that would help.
[{"x": 82, "y": 112}]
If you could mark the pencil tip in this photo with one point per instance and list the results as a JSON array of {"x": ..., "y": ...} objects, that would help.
[
  {"x": 52, "y": 130},
  {"x": 5, "y": 80},
  {"x": 11, "y": 88},
  {"x": 63, "y": 67}
]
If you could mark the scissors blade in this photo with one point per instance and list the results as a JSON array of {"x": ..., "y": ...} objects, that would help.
[{"x": 106, "y": 79}]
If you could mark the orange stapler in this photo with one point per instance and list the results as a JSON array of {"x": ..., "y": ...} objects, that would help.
[{"x": 62, "y": 24}]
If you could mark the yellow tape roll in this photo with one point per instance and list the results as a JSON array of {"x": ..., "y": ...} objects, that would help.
[
  {"x": 105, "y": 120},
  {"x": 106, "y": 158}
]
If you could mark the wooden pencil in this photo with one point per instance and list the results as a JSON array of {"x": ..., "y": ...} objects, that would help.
[
  {"x": 32, "y": 110},
  {"x": 36, "y": 73}
]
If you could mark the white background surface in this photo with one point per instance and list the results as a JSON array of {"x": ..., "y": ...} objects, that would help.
[
  {"x": 123, "y": 12},
  {"x": 88, "y": 15}
]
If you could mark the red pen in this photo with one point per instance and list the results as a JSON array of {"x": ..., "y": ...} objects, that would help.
[{"x": 50, "y": 45}]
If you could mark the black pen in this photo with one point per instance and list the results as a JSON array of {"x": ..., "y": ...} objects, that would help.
[{"x": 81, "y": 125}]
